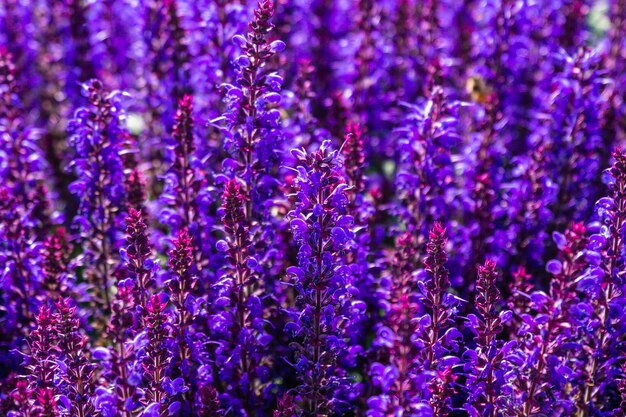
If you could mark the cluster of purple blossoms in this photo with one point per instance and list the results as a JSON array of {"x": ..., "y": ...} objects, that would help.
[{"x": 312, "y": 208}]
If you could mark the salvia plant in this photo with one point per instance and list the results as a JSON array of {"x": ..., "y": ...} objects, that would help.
[{"x": 225, "y": 208}]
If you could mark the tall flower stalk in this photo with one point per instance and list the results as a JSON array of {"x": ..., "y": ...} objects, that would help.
[
  {"x": 157, "y": 322},
  {"x": 321, "y": 230},
  {"x": 399, "y": 382},
  {"x": 77, "y": 377},
  {"x": 182, "y": 286},
  {"x": 198, "y": 247},
  {"x": 98, "y": 138},
  {"x": 182, "y": 184},
  {"x": 605, "y": 282},
  {"x": 251, "y": 139},
  {"x": 251, "y": 121},
  {"x": 485, "y": 361},
  {"x": 42, "y": 364},
  {"x": 438, "y": 339}
]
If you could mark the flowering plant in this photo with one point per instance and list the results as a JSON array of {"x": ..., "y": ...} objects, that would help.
[{"x": 312, "y": 208}]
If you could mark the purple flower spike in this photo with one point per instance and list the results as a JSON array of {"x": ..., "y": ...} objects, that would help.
[
  {"x": 437, "y": 338},
  {"x": 39, "y": 396},
  {"x": 138, "y": 253},
  {"x": 607, "y": 301},
  {"x": 77, "y": 373},
  {"x": 99, "y": 138},
  {"x": 435, "y": 297},
  {"x": 484, "y": 362},
  {"x": 157, "y": 322},
  {"x": 399, "y": 381},
  {"x": 182, "y": 288},
  {"x": 312, "y": 208},
  {"x": 318, "y": 279}
]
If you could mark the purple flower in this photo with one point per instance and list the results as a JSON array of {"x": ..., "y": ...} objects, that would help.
[
  {"x": 157, "y": 322},
  {"x": 252, "y": 137},
  {"x": 440, "y": 307},
  {"x": 99, "y": 138},
  {"x": 77, "y": 373},
  {"x": 42, "y": 363},
  {"x": 138, "y": 253},
  {"x": 290, "y": 210},
  {"x": 400, "y": 382},
  {"x": 484, "y": 362},
  {"x": 317, "y": 321},
  {"x": 605, "y": 284},
  {"x": 182, "y": 286},
  {"x": 184, "y": 203}
]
